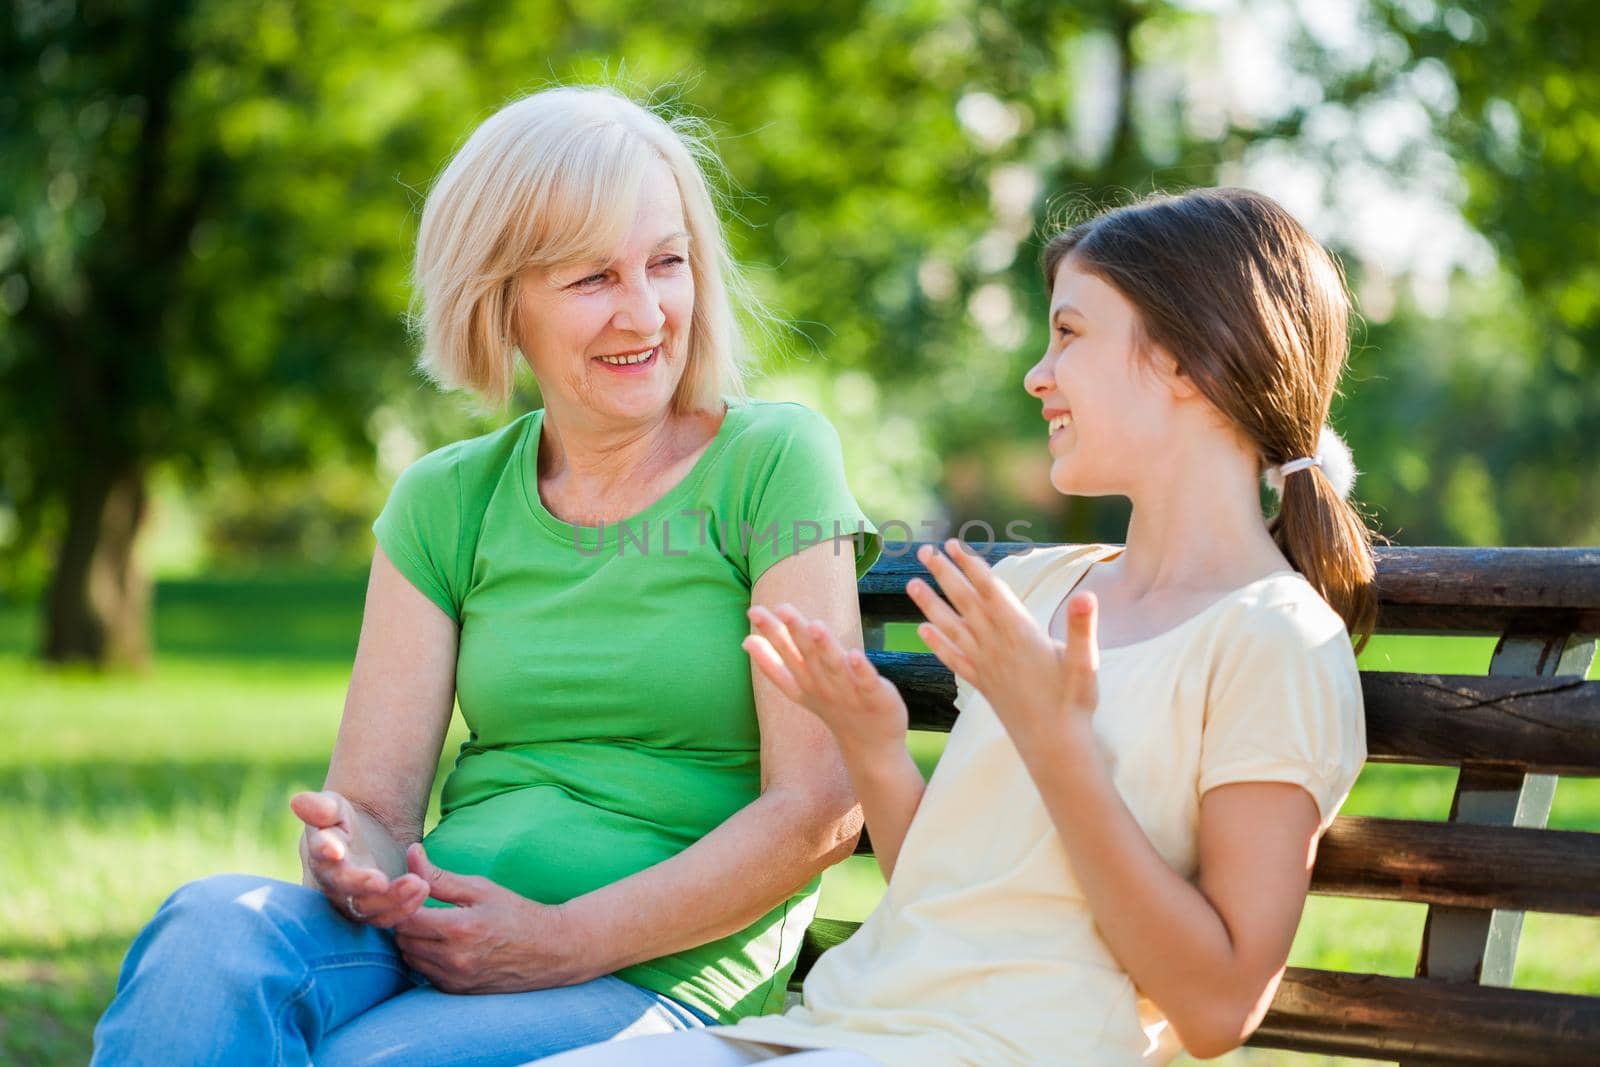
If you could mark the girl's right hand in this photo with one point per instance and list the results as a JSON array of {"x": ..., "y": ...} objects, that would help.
[
  {"x": 810, "y": 667},
  {"x": 346, "y": 873}
]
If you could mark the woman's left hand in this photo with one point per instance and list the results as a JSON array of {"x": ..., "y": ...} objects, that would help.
[
  {"x": 492, "y": 941},
  {"x": 986, "y": 636}
]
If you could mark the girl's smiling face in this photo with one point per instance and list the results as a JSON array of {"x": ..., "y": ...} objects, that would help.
[
  {"x": 1109, "y": 400},
  {"x": 612, "y": 336}
]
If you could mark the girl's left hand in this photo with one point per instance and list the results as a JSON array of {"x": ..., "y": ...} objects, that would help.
[
  {"x": 989, "y": 640},
  {"x": 492, "y": 941}
]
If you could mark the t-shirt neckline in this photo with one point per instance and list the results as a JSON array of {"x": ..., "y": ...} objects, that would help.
[
  {"x": 527, "y": 462},
  {"x": 1111, "y": 551}
]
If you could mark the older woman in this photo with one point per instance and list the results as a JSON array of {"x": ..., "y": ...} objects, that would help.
[{"x": 631, "y": 838}]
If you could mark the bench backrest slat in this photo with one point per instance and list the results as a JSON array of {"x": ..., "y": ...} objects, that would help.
[
  {"x": 1377, "y": 1017},
  {"x": 1530, "y": 724},
  {"x": 1460, "y": 865},
  {"x": 1420, "y": 590}
]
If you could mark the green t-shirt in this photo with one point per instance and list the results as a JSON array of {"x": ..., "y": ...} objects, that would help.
[{"x": 600, "y": 671}]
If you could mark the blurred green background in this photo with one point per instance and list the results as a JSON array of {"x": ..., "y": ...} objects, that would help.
[{"x": 206, "y": 383}]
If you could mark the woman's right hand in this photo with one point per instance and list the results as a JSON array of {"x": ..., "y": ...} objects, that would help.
[
  {"x": 346, "y": 873},
  {"x": 806, "y": 662}
]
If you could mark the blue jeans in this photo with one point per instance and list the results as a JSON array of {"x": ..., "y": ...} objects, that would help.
[{"x": 238, "y": 969}]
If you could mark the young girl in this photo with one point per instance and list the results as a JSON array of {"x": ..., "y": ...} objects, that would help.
[{"x": 1113, "y": 854}]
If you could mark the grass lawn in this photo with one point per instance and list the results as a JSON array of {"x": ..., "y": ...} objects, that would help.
[{"x": 122, "y": 788}]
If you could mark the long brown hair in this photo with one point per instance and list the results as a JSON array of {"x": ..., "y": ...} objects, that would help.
[{"x": 1255, "y": 312}]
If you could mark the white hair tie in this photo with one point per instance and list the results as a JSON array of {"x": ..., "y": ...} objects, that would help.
[{"x": 1333, "y": 456}]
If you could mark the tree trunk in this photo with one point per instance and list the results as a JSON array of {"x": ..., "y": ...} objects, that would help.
[{"x": 98, "y": 607}]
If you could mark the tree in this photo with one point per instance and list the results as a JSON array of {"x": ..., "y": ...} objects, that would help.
[
  {"x": 203, "y": 231},
  {"x": 202, "y": 262},
  {"x": 1481, "y": 423},
  {"x": 207, "y": 210}
]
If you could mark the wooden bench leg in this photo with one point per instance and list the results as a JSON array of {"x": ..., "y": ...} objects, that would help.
[{"x": 1470, "y": 945}]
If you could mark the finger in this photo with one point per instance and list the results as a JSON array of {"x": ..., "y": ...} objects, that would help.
[
  {"x": 362, "y": 881},
  {"x": 934, "y": 607},
  {"x": 869, "y": 684},
  {"x": 318, "y": 810},
  {"x": 429, "y": 924},
  {"x": 941, "y": 615},
  {"x": 768, "y": 663},
  {"x": 443, "y": 885},
  {"x": 346, "y": 877},
  {"x": 862, "y": 672},
  {"x": 776, "y": 631},
  {"x": 978, "y": 573},
  {"x": 406, "y": 896},
  {"x": 374, "y": 893},
  {"x": 829, "y": 653},
  {"x": 972, "y": 567},
  {"x": 330, "y": 845},
  {"x": 799, "y": 630},
  {"x": 948, "y": 652},
  {"x": 1083, "y": 649},
  {"x": 952, "y": 582}
]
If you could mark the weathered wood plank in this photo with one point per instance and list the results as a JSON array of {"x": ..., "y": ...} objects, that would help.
[
  {"x": 1366, "y": 1015},
  {"x": 1549, "y": 725},
  {"x": 1429, "y": 1021},
  {"x": 1460, "y": 865},
  {"x": 1423, "y": 590}
]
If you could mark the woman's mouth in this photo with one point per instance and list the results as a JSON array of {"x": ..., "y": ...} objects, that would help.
[{"x": 631, "y": 362}]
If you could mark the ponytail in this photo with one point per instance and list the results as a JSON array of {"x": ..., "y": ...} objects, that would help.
[{"x": 1325, "y": 538}]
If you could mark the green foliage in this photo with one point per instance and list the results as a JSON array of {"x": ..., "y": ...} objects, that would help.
[
  {"x": 1481, "y": 427},
  {"x": 206, "y": 213}
]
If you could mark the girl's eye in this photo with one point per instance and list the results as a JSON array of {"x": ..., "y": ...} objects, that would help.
[{"x": 1064, "y": 332}]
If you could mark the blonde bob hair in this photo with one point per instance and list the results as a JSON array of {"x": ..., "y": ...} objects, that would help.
[{"x": 551, "y": 179}]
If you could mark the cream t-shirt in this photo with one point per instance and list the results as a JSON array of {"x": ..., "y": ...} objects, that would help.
[{"x": 983, "y": 950}]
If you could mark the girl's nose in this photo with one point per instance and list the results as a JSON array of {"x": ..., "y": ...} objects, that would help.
[{"x": 1039, "y": 378}]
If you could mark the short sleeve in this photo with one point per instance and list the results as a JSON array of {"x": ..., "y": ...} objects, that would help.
[
  {"x": 419, "y": 529},
  {"x": 804, "y": 499},
  {"x": 1284, "y": 705}
]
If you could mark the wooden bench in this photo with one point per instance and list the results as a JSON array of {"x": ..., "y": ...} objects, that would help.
[{"x": 1511, "y": 733}]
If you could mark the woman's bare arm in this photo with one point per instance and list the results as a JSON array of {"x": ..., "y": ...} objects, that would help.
[
  {"x": 864, "y": 711},
  {"x": 397, "y": 710}
]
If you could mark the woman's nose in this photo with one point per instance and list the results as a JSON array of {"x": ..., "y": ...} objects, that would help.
[{"x": 640, "y": 312}]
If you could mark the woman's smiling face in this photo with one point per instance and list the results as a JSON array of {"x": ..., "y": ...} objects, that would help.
[
  {"x": 1107, "y": 403},
  {"x": 611, "y": 336}
]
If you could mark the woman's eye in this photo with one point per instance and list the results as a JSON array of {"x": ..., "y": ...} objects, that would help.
[
  {"x": 593, "y": 279},
  {"x": 669, "y": 261}
]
